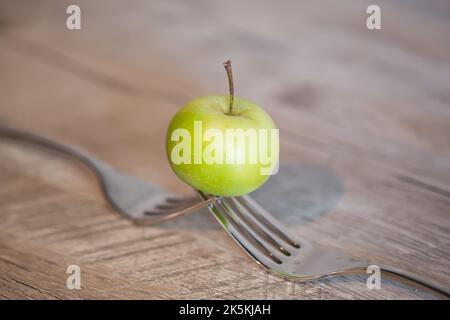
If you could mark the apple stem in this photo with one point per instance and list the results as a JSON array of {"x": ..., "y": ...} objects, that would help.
[{"x": 227, "y": 65}]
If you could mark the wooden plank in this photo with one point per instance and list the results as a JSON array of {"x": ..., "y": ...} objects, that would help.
[
  {"x": 31, "y": 272},
  {"x": 363, "y": 116}
]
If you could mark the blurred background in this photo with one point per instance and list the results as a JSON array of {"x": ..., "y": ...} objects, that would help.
[
  {"x": 315, "y": 66},
  {"x": 364, "y": 115}
]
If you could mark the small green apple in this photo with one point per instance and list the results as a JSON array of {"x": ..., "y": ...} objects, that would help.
[{"x": 222, "y": 145}]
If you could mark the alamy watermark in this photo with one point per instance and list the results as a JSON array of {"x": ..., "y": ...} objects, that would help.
[
  {"x": 373, "y": 21},
  {"x": 374, "y": 280},
  {"x": 73, "y": 281},
  {"x": 73, "y": 21},
  {"x": 229, "y": 146}
]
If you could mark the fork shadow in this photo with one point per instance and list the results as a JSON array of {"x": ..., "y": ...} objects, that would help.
[{"x": 297, "y": 194}]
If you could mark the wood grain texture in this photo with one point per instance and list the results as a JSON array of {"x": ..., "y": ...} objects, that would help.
[{"x": 365, "y": 126}]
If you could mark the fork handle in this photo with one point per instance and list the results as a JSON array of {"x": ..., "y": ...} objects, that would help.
[
  {"x": 91, "y": 162},
  {"x": 416, "y": 281}
]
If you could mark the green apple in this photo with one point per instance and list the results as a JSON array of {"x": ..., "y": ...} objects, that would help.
[{"x": 222, "y": 145}]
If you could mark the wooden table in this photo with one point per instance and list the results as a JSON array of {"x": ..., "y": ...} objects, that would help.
[{"x": 365, "y": 136}]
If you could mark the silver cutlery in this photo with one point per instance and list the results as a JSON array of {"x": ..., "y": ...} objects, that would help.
[
  {"x": 130, "y": 196},
  {"x": 285, "y": 255},
  {"x": 256, "y": 231}
]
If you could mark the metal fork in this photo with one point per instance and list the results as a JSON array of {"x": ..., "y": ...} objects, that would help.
[
  {"x": 253, "y": 228},
  {"x": 272, "y": 246},
  {"x": 130, "y": 196}
]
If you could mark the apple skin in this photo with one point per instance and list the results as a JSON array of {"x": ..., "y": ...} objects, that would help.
[{"x": 220, "y": 179}]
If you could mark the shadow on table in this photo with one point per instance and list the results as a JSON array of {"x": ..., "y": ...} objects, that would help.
[{"x": 296, "y": 195}]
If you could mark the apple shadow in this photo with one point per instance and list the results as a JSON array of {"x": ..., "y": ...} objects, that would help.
[{"x": 297, "y": 194}]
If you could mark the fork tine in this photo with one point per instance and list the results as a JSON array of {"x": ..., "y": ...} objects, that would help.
[
  {"x": 150, "y": 216},
  {"x": 168, "y": 204},
  {"x": 175, "y": 200},
  {"x": 261, "y": 215},
  {"x": 252, "y": 248},
  {"x": 178, "y": 209},
  {"x": 259, "y": 236},
  {"x": 246, "y": 214},
  {"x": 247, "y": 233}
]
